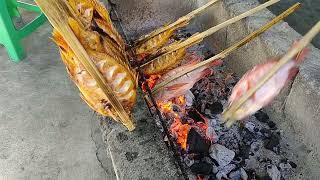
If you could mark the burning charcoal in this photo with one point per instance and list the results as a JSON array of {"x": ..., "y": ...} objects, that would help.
[
  {"x": 192, "y": 176},
  {"x": 224, "y": 171},
  {"x": 266, "y": 132},
  {"x": 244, "y": 175},
  {"x": 197, "y": 144},
  {"x": 248, "y": 137},
  {"x": 215, "y": 108},
  {"x": 244, "y": 151},
  {"x": 265, "y": 178},
  {"x": 237, "y": 159},
  {"x": 176, "y": 108},
  {"x": 293, "y": 165},
  {"x": 255, "y": 146},
  {"x": 240, "y": 174},
  {"x": 250, "y": 126},
  {"x": 202, "y": 168},
  {"x": 235, "y": 175},
  {"x": 272, "y": 142},
  {"x": 208, "y": 54},
  {"x": 285, "y": 169},
  {"x": 272, "y": 125},
  {"x": 215, "y": 169},
  {"x": 195, "y": 115},
  {"x": 252, "y": 174},
  {"x": 273, "y": 172},
  {"x": 189, "y": 162},
  {"x": 262, "y": 116},
  {"x": 221, "y": 154}
]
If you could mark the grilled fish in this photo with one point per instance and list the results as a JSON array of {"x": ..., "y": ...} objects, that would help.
[
  {"x": 268, "y": 91},
  {"x": 181, "y": 85}
]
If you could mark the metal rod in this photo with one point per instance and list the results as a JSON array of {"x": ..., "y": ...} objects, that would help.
[{"x": 171, "y": 144}]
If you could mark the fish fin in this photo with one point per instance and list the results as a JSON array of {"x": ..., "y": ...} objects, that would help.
[
  {"x": 176, "y": 86},
  {"x": 302, "y": 54},
  {"x": 207, "y": 72},
  {"x": 293, "y": 73}
]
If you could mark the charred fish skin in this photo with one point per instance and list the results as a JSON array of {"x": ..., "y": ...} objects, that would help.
[
  {"x": 93, "y": 12},
  {"x": 164, "y": 63},
  {"x": 153, "y": 44},
  {"x": 121, "y": 79}
]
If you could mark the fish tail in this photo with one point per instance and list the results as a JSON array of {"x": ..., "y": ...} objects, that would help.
[{"x": 302, "y": 55}]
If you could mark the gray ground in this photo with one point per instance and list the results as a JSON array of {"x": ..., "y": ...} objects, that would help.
[{"x": 46, "y": 131}]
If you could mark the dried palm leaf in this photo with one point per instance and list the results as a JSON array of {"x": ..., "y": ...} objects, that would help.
[{"x": 88, "y": 73}]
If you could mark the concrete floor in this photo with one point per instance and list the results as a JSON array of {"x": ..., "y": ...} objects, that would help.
[{"x": 46, "y": 131}]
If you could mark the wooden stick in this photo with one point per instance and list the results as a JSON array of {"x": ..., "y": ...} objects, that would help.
[
  {"x": 181, "y": 20},
  {"x": 283, "y": 61},
  {"x": 227, "y": 51},
  {"x": 54, "y": 10},
  {"x": 199, "y": 37}
]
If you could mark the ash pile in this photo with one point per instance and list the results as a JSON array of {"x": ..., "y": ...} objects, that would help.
[{"x": 251, "y": 149}]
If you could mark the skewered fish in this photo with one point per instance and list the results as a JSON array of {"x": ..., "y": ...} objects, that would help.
[
  {"x": 152, "y": 45},
  {"x": 165, "y": 63},
  {"x": 268, "y": 91},
  {"x": 118, "y": 75},
  {"x": 152, "y": 42},
  {"x": 181, "y": 85},
  {"x": 90, "y": 13}
]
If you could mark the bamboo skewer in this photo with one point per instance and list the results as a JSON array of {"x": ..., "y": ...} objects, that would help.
[
  {"x": 227, "y": 51},
  {"x": 199, "y": 37},
  {"x": 284, "y": 60},
  {"x": 57, "y": 16},
  {"x": 181, "y": 20}
]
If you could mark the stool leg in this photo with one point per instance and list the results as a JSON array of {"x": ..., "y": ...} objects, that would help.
[
  {"x": 12, "y": 8},
  {"x": 9, "y": 35},
  {"x": 15, "y": 50}
]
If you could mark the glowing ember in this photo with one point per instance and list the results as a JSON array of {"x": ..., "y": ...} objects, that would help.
[
  {"x": 165, "y": 107},
  {"x": 180, "y": 132},
  {"x": 151, "y": 81},
  {"x": 181, "y": 100},
  {"x": 178, "y": 129}
]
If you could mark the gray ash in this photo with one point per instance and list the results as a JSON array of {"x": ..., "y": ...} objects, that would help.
[
  {"x": 255, "y": 141},
  {"x": 250, "y": 149}
]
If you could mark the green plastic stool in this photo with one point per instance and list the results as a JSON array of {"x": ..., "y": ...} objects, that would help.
[{"x": 11, "y": 37}]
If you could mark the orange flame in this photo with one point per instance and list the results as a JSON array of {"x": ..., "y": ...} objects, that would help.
[
  {"x": 181, "y": 100},
  {"x": 180, "y": 131},
  {"x": 165, "y": 107},
  {"x": 151, "y": 82}
]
